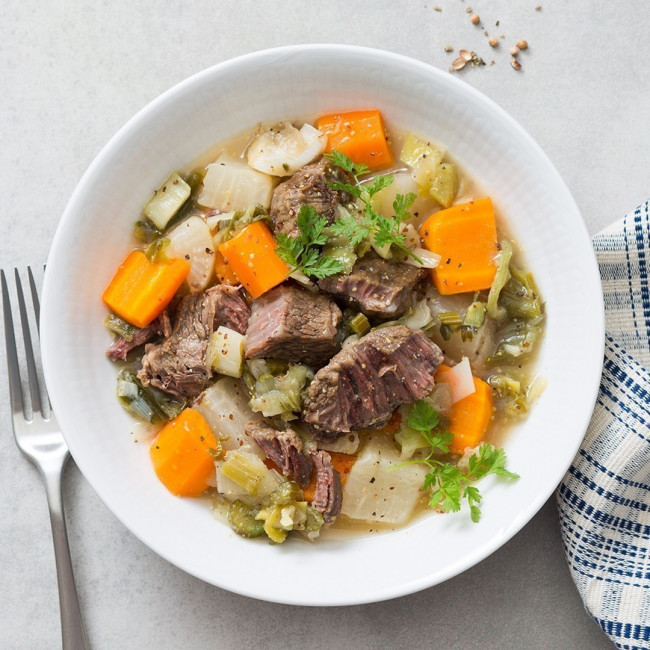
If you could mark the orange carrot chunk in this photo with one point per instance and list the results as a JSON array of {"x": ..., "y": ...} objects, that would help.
[
  {"x": 223, "y": 270},
  {"x": 465, "y": 237},
  {"x": 180, "y": 454},
  {"x": 140, "y": 289},
  {"x": 470, "y": 416},
  {"x": 251, "y": 256},
  {"x": 360, "y": 135},
  {"x": 342, "y": 463}
]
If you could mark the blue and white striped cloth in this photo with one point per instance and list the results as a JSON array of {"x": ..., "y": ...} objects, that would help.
[{"x": 604, "y": 499}]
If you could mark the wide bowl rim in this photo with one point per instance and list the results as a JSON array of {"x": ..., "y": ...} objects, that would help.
[{"x": 48, "y": 307}]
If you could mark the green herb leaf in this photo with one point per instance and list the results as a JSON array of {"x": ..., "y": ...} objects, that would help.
[
  {"x": 402, "y": 204},
  {"x": 302, "y": 253},
  {"x": 380, "y": 230},
  {"x": 377, "y": 184},
  {"x": 423, "y": 417},
  {"x": 345, "y": 163},
  {"x": 447, "y": 484}
]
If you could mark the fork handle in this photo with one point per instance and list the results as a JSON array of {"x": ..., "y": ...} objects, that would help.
[{"x": 72, "y": 627}]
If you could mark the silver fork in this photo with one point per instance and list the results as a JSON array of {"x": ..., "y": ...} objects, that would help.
[{"x": 38, "y": 436}]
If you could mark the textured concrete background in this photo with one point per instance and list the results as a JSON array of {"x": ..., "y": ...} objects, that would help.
[{"x": 74, "y": 71}]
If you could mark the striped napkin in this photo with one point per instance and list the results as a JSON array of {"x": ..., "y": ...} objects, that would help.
[{"x": 604, "y": 499}]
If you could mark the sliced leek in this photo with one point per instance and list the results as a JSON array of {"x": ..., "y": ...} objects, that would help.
[
  {"x": 245, "y": 470},
  {"x": 167, "y": 200}
]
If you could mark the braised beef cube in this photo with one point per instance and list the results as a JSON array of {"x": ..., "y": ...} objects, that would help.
[
  {"x": 364, "y": 383},
  {"x": 377, "y": 287},
  {"x": 328, "y": 496},
  {"x": 177, "y": 364},
  {"x": 294, "y": 325},
  {"x": 308, "y": 186},
  {"x": 285, "y": 449}
]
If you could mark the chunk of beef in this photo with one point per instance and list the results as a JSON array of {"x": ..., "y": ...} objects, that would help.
[
  {"x": 328, "y": 496},
  {"x": 378, "y": 287},
  {"x": 294, "y": 325},
  {"x": 308, "y": 186},
  {"x": 284, "y": 448},
  {"x": 364, "y": 383},
  {"x": 177, "y": 365},
  {"x": 120, "y": 347}
]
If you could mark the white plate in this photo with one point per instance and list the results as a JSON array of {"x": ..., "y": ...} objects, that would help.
[{"x": 224, "y": 101}]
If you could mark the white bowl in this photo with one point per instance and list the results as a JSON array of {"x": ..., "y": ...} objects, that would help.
[{"x": 223, "y": 101}]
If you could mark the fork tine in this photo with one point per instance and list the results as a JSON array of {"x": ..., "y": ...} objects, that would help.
[
  {"x": 15, "y": 389},
  {"x": 29, "y": 350},
  {"x": 37, "y": 312},
  {"x": 35, "y": 301}
]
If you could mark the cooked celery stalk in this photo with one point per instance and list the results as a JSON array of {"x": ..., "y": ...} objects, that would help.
[
  {"x": 167, "y": 200},
  {"x": 245, "y": 470},
  {"x": 225, "y": 353},
  {"x": 285, "y": 493},
  {"x": 501, "y": 277},
  {"x": 272, "y": 525},
  {"x": 423, "y": 158},
  {"x": 475, "y": 314},
  {"x": 511, "y": 395},
  {"x": 313, "y": 522},
  {"x": 516, "y": 339},
  {"x": 242, "y": 519},
  {"x": 344, "y": 254},
  {"x": 240, "y": 219},
  {"x": 450, "y": 318},
  {"x": 360, "y": 324},
  {"x": 520, "y": 297},
  {"x": 409, "y": 441},
  {"x": 276, "y": 402},
  {"x": 279, "y": 520},
  {"x": 339, "y": 248},
  {"x": 444, "y": 185},
  {"x": 276, "y": 388},
  {"x": 416, "y": 150},
  {"x": 120, "y": 327},
  {"x": 146, "y": 402}
]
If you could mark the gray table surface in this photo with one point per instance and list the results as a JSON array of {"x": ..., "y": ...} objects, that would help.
[{"x": 72, "y": 72}]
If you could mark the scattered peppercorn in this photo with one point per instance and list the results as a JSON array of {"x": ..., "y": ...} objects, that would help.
[
  {"x": 493, "y": 41},
  {"x": 475, "y": 18},
  {"x": 522, "y": 45}
]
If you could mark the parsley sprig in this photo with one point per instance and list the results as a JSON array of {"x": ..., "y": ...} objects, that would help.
[
  {"x": 302, "y": 253},
  {"x": 370, "y": 225},
  {"x": 447, "y": 483}
]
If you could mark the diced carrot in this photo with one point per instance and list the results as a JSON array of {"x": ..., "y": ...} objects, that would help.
[
  {"x": 223, "y": 270},
  {"x": 180, "y": 454},
  {"x": 465, "y": 237},
  {"x": 360, "y": 135},
  {"x": 470, "y": 416},
  {"x": 252, "y": 257},
  {"x": 342, "y": 463},
  {"x": 140, "y": 289}
]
